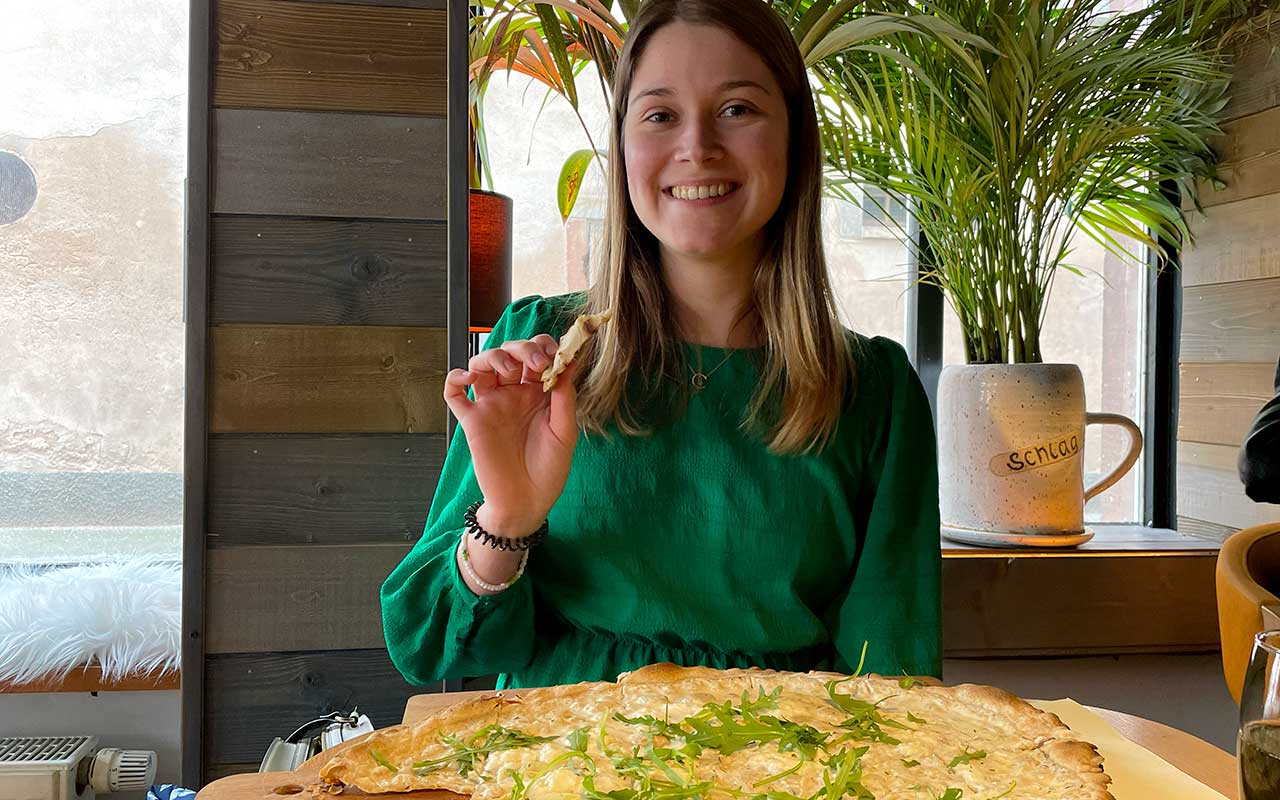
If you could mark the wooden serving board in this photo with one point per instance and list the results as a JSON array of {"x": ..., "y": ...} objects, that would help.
[{"x": 299, "y": 783}]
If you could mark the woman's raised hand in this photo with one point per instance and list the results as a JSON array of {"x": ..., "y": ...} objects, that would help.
[{"x": 521, "y": 438}]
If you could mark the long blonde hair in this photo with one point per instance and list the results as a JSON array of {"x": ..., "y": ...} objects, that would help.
[{"x": 807, "y": 372}]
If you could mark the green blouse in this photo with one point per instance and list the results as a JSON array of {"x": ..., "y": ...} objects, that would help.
[{"x": 695, "y": 545}]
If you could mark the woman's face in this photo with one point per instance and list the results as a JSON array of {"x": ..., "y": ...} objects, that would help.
[{"x": 704, "y": 116}]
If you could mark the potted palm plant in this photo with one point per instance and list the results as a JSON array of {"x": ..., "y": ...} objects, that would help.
[{"x": 1051, "y": 116}]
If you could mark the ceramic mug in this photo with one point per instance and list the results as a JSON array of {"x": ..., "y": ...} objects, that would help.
[{"x": 1011, "y": 454}]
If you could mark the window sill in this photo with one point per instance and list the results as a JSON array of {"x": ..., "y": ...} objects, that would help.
[
  {"x": 89, "y": 679},
  {"x": 1129, "y": 590},
  {"x": 1110, "y": 539}
]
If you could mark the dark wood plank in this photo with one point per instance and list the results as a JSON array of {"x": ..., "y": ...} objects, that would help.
[
  {"x": 216, "y": 771},
  {"x": 254, "y": 698},
  {"x": 1205, "y": 530},
  {"x": 1232, "y": 322},
  {"x": 328, "y": 272},
  {"x": 1234, "y": 242},
  {"x": 309, "y": 489},
  {"x": 1249, "y": 159},
  {"x": 326, "y": 379},
  {"x": 328, "y": 165},
  {"x": 1255, "y": 84},
  {"x": 1209, "y": 488},
  {"x": 1218, "y": 402},
  {"x": 329, "y": 57},
  {"x": 1064, "y": 606},
  {"x": 300, "y": 597}
]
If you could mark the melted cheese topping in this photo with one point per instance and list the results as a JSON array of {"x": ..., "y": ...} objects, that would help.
[{"x": 1016, "y": 740}]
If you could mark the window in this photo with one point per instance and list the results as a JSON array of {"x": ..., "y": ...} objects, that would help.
[
  {"x": 867, "y": 262},
  {"x": 92, "y": 163}
]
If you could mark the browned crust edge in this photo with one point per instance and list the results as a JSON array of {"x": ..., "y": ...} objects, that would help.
[{"x": 1052, "y": 736}]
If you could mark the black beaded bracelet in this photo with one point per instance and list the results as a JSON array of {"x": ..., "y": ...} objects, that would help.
[{"x": 518, "y": 544}]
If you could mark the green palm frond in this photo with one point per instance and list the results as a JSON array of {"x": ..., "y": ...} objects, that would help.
[{"x": 1007, "y": 125}]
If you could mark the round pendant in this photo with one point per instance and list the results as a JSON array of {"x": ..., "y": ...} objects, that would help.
[{"x": 699, "y": 381}]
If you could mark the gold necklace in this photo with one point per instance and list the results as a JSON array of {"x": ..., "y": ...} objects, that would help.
[{"x": 699, "y": 378}]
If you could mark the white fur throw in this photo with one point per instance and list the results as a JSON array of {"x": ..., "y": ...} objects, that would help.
[{"x": 124, "y": 615}]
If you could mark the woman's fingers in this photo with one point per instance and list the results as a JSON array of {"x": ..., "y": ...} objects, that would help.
[
  {"x": 547, "y": 343},
  {"x": 499, "y": 363},
  {"x": 563, "y": 415},
  {"x": 530, "y": 353},
  {"x": 455, "y": 392},
  {"x": 517, "y": 361}
]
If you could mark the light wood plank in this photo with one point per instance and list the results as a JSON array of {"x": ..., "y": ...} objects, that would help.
[
  {"x": 254, "y": 698},
  {"x": 314, "y": 597},
  {"x": 1255, "y": 82},
  {"x": 1218, "y": 402},
  {"x": 328, "y": 272},
  {"x": 335, "y": 379},
  {"x": 1209, "y": 488},
  {"x": 1065, "y": 606},
  {"x": 307, "y": 489},
  {"x": 1232, "y": 322},
  {"x": 328, "y": 165},
  {"x": 1234, "y": 242},
  {"x": 329, "y": 57},
  {"x": 1249, "y": 159},
  {"x": 89, "y": 679}
]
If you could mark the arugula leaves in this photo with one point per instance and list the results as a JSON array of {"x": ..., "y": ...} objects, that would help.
[
  {"x": 966, "y": 757},
  {"x": 467, "y": 754},
  {"x": 378, "y": 757}
]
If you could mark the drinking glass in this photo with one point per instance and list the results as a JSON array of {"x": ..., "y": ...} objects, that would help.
[{"x": 1258, "y": 743}]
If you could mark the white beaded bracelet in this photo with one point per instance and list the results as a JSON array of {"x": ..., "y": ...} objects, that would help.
[{"x": 465, "y": 560}]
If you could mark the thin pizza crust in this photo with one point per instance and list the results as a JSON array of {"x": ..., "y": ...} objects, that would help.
[
  {"x": 1026, "y": 753},
  {"x": 584, "y": 327}
]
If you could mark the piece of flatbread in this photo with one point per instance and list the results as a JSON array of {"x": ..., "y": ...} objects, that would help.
[
  {"x": 740, "y": 734},
  {"x": 584, "y": 327}
]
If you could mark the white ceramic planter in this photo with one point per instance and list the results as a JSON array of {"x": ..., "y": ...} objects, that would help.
[{"x": 1011, "y": 454}]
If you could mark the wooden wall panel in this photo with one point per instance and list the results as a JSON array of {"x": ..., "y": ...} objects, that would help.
[
  {"x": 261, "y": 696},
  {"x": 326, "y": 379},
  {"x": 327, "y": 305},
  {"x": 999, "y": 606},
  {"x": 1255, "y": 84},
  {"x": 1209, "y": 488},
  {"x": 328, "y": 165},
  {"x": 327, "y": 271},
  {"x": 1249, "y": 159},
  {"x": 263, "y": 599},
  {"x": 1235, "y": 322},
  {"x": 1219, "y": 401},
  {"x": 308, "y": 489},
  {"x": 1234, "y": 242},
  {"x": 329, "y": 57}
]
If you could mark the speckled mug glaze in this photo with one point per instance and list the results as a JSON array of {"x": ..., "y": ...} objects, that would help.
[{"x": 1011, "y": 453}]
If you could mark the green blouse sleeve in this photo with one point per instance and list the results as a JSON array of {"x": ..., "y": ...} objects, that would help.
[
  {"x": 893, "y": 603},
  {"x": 435, "y": 626}
]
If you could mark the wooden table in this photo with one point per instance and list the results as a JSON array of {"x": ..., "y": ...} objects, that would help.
[{"x": 1197, "y": 758}]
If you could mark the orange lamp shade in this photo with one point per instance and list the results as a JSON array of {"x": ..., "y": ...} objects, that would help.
[{"x": 490, "y": 257}]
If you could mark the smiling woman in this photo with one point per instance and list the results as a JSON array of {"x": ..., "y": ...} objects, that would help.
[{"x": 725, "y": 476}]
